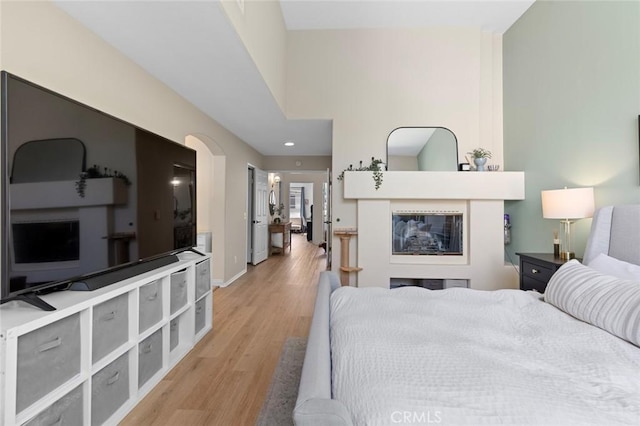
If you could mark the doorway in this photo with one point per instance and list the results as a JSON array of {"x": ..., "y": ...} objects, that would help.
[
  {"x": 287, "y": 190},
  {"x": 258, "y": 211},
  {"x": 301, "y": 201}
]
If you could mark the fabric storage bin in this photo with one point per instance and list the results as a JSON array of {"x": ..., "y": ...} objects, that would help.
[
  {"x": 47, "y": 358},
  {"x": 201, "y": 314},
  {"x": 67, "y": 411},
  {"x": 110, "y": 326},
  {"x": 150, "y": 305},
  {"x": 174, "y": 333},
  {"x": 178, "y": 290},
  {"x": 149, "y": 357},
  {"x": 109, "y": 389},
  {"x": 203, "y": 278}
]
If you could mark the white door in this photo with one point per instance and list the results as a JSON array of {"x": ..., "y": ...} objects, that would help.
[
  {"x": 260, "y": 217},
  {"x": 326, "y": 217}
]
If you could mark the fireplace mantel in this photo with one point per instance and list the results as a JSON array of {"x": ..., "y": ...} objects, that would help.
[
  {"x": 482, "y": 195},
  {"x": 436, "y": 186}
]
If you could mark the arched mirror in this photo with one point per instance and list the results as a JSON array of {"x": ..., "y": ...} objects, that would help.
[
  {"x": 272, "y": 202},
  {"x": 422, "y": 149}
]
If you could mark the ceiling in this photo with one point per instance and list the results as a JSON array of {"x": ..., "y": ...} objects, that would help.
[
  {"x": 193, "y": 48},
  {"x": 495, "y": 16}
]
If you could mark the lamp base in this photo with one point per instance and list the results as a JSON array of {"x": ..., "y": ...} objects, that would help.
[{"x": 567, "y": 255}]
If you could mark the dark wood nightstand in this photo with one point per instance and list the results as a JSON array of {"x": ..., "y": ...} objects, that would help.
[{"x": 536, "y": 270}]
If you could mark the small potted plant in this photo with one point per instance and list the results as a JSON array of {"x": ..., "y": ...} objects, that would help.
[
  {"x": 480, "y": 156},
  {"x": 278, "y": 217}
]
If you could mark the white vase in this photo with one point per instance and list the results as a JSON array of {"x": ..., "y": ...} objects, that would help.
[{"x": 480, "y": 162}]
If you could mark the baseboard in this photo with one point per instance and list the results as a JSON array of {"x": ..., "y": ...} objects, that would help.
[{"x": 235, "y": 277}]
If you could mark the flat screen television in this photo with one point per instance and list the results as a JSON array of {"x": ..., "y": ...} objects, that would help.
[{"x": 87, "y": 199}]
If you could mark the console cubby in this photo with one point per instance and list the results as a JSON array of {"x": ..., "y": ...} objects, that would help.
[
  {"x": 91, "y": 361},
  {"x": 110, "y": 326},
  {"x": 150, "y": 305},
  {"x": 203, "y": 316},
  {"x": 69, "y": 408},
  {"x": 149, "y": 357},
  {"x": 110, "y": 389},
  {"x": 178, "y": 291},
  {"x": 181, "y": 335},
  {"x": 203, "y": 280}
]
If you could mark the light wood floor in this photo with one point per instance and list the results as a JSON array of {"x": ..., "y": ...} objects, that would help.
[{"x": 225, "y": 378}]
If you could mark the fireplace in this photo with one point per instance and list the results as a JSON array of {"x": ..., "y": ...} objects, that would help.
[
  {"x": 468, "y": 206},
  {"x": 42, "y": 242},
  {"x": 427, "y": 233}
]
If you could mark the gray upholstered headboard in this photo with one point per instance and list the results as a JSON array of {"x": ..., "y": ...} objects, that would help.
[{"x": 615, "y": 231}]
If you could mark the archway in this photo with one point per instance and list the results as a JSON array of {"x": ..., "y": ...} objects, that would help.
[{"x": 210, "y": 196}]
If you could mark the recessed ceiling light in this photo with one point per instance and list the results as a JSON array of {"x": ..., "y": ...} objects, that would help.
[{"x": 289, "y": 143}]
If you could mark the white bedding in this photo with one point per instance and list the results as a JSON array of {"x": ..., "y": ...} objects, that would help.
[{"x": 460, "y": 356}]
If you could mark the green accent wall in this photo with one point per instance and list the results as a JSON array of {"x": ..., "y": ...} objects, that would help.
[{"x": 571, "y": 81}]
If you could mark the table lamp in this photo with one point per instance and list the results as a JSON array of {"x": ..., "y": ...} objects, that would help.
[{"x": 567, "y": 204}]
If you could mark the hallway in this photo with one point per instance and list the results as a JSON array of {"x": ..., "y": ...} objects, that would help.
[{"x": 225, "y": 378}]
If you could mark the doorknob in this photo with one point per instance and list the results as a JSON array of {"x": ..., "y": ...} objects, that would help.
[{"x": 256, "y": 221}]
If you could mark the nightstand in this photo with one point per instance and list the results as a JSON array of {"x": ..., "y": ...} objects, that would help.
[{"x": 536, "y": 270}]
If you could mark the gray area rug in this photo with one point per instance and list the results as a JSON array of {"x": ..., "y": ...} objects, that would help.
[{"x": 283, "y": 390}]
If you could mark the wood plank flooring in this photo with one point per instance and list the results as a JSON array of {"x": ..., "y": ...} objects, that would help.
[{"x": 225, "y": 378}]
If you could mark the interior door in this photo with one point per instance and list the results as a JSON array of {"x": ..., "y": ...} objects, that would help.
[
  {"x": 260, "y": 216},
  {"x": 326, "y": 217}
]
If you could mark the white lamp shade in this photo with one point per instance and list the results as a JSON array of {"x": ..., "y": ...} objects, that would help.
[{"x": 568, "y": 203}]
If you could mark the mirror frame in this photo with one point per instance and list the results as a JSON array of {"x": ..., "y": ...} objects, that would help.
[{"x": 457, "y": 163}]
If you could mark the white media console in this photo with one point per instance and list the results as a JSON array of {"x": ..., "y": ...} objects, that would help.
[{"x": 94, "y": 358}]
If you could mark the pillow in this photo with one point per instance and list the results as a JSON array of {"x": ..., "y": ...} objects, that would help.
[
  {"x": 611, "y": 266},
  {"x": 607, "y": 302}
]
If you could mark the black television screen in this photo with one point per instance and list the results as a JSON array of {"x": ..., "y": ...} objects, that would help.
[{"x": 84, "y": 193}]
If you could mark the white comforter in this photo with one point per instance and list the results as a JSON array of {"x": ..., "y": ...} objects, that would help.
[{"x": 460, "y": 356}]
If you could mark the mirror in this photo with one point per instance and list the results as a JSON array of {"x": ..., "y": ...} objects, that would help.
[
  {"x": 272, "y": 202},
  {"x": 422, "y": 149}
]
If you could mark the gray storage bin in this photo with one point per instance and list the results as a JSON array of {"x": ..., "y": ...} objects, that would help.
[
  {"x": 109, "y": 390},
  {"x": 149, "y": 357},
  {"x": 150, "y": 305},
  {"x": 203, "y": 278},
  {"x": 110, "y": 326},
  {"x": 67, "y": 411},
  {"x": 178, "y": 290},
  {"x": 47, "y": 358},
  {"x": 174, "y": 333},
  {"x": 201, "y": 314}
]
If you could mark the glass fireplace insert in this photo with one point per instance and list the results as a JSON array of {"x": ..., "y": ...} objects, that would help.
[{"x": 427, "y": 233}]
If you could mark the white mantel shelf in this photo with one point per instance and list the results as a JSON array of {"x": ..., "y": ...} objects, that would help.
[
  {"x": 63, "y": 194},
  {"x": 436, "y": 185}
]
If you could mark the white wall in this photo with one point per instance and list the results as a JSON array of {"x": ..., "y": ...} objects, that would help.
[
  {"x": 210, "y": 188},
  {"x": 373, "y": 81},
  {"x": 42, "y": 44},
  {"x": 261, "y": 28}
]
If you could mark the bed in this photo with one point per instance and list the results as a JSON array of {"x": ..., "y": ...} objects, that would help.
[{"x": 460, "y": 356}]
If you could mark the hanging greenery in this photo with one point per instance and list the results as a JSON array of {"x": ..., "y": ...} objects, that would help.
[
  {"x": 95, "y": 172},
  {"x": 375, "y": 167}
]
